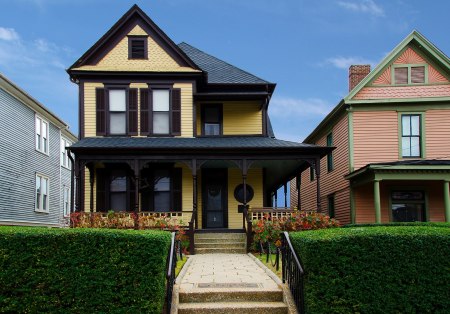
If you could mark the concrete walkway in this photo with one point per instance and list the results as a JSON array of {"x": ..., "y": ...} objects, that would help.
[
  {"x": 225, "y": 271},
  {"x": 228, "y": 283}
]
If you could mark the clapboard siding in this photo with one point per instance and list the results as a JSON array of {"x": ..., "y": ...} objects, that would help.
[
  {"x": 437, "y": 129},
  {"x": 19, "y": 163}
]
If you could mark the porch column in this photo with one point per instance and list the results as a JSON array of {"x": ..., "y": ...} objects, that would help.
[
  {"x": 377, "y": 201},
  {"x": 91, "y": 183},
  {"x": 298, "y": 183},
  {"x": 77, "y": 185},
  {"x": 317, "y": 168},
  {"x": 285, "y": 195},
  {"x": 276, "y": 198},
  {"x": 194, "y": 197},
  {"x": 136, "y": 187},
  {"x": 447, "y": 201},
  {"x": 244, "y": 183}
]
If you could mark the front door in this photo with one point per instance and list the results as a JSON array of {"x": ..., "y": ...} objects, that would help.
[{"x": 215, "y": 203}]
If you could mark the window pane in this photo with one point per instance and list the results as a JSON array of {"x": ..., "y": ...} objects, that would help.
[
  {"x": 415, "y": 125},
  {"x": 212, "y": 114},
  {"x": 117, "y": 123},
  {"x": 161, "y": 100},
  {"x": 44, "y": 186},
  {"x": 418, "y": 74},
  {"x": 118, "y": 183},
  {"x": 44, "y": 129},
  {"x": 119, "y": 201},
  {"x": 45, "y": 145},
  {"x": 401, "y": 75},
  {"x": 406, "y": 125},
  {"x": 38, "y": 192},
  {"x": 406, "y": 146},
  {"x": 408, "y": 212},
  {"x": 117, "y": 100},
  {"x": 162, "y": 201},
  {"x": 38, "y": 126},
  {"x": 212, "y": 129},
  {"x": 161, "y": 123},
  {"x": 415, "y": 147},
  {"x": 38, "y": 142},
  {"x": 44, "y": 202},
  {"x": 162, "y": 180}
]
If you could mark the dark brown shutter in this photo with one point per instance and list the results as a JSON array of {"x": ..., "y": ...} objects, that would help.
[
  {"x": 176, "y": 111},
  {"x": 100, "y": 101},
  {"x": 418, "y": 75},
  {"x": 132, "y": 112},
  {"x": 401, "y": 75},
  {"x": 144, "y": 111},
  {"x": 101, "y": 190},
  {"x": 177, "y": 189}
]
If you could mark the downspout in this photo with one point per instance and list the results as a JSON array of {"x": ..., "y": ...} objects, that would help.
[{"x": 72, "y": 179}]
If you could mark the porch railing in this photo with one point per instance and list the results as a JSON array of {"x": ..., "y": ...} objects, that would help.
[
  {"x": 131, "y": 220},
  {"x": 170, "y": 274},
  {"x": 274, "y": 212},
  {"x": 293, "y": 273}
]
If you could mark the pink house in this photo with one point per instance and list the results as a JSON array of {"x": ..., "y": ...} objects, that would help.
[{"x": 392, "y": 139}]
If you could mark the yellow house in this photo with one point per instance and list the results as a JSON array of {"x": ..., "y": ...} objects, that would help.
[{"x": 168, "y": 128}]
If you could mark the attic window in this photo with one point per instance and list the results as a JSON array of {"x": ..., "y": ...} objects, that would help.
[
  {"x": 137, "y": 47},
  {"x": 410, "y": 74}
]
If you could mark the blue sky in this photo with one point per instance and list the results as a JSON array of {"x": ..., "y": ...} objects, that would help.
[{"x": 305, "y": 47}]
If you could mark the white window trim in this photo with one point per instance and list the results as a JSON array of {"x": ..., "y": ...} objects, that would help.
[
  {"x": 42, "y": 138},
  {"x": 66, "y": 153},
  {"x": 66, "y": 188},
  {"x": 39, "y": 210}
]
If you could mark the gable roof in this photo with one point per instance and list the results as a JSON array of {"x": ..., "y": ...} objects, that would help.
[
  {"x": 219, "y": 71},
  {"x": 421, "y": 42},
  {"x": 133, "y": 15}
]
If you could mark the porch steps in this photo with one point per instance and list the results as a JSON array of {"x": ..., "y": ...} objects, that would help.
[
  {"x": 232, "y": 300},
  {"x": 206, "y": 243}
]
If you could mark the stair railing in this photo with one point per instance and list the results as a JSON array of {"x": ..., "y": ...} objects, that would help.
[
  {"x": 192, "y": 232},
  {"x": 248, "y": 227},
  {"x": 170, "y": 275},
  {"x": 293, "y": 273}
]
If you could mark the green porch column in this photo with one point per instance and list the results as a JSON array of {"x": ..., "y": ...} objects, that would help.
[
  {"x": 377, "y": 201},
  {"x": 447, "y": 200}
]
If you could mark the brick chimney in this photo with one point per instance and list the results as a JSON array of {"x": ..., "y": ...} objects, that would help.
[{"x": 356, "y": 73}]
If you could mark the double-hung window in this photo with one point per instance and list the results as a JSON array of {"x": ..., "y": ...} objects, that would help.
[
  {"x": 118, "y": 190},
  {"x": 65, "y": 162},
  {"x": 66, "y": 201},
  {"x": 41, "y": 135},
  {"x": 117, "y": 112},
  {"x": 162, "y": 190},
  {"x": 408, "y": 206},
  {"x": 161, "y": 111},
  {"x": 212, "y": 120},
  {"x": 330, "y": 154},
  {"x": 411, "y": 135},
  {"x": 42, "y": 188}
]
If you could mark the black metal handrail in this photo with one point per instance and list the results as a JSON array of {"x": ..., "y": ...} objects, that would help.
[
  {"x": 248, "y": 227},
  {"x": 170, "y": 275},
  {"x": 192, "y": 232},
  {"x": 293, "y": 273}
]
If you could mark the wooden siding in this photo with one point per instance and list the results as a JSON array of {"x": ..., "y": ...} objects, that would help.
[
  {"x": 364, "y": 201},
  {"x": 20, "y": 162},
  {"x": 186, "y": 107},
  {"x": 89, "y": 108},
  {"x": 332, "y": 182},
  {"x": 375, "y": 137},
  {"x": 117, "y": 59},
  {"x": 437, "y": 128},
  {"x": 398, "y": 92},
  {"x": 239, "y": 118}
]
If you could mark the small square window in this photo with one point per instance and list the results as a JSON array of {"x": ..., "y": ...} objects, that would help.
[{"x": 137, "y": 47}]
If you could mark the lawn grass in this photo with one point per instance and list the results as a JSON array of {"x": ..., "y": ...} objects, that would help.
[
  {"x": 180, "y": 264},
  {"x": 272, "y": 258}
]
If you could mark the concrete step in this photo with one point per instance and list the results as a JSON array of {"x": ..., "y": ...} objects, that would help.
[
  {"x": 206, "y": 244},
  {"x": 218, "y": 240},
  {"x": 231, "y": 295},
  {"x": 220, "y": 250},
  {"x": 230, "y": 307}
]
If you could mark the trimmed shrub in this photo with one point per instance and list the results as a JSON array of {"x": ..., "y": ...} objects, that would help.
[
  {"x": 82, "y": 270},
  {"x": 398, "y": 224},
  {"x": 375, "y": 269}
]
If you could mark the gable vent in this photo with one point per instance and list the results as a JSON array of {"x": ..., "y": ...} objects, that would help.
[{"x": 418, "y": 75}]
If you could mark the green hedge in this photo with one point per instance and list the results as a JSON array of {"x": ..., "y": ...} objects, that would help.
[
  {"x": 376, "y": 269},
  {"x": 82, "y": 270},
  {"x": 398, "y": 224}
]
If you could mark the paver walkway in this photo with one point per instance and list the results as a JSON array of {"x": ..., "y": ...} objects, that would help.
[{"x": 225, "y": 271}]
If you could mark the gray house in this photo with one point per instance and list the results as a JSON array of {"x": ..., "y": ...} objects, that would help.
[{"x": 35, "y": 169}]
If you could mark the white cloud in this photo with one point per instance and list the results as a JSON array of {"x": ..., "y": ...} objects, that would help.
[
  {"x": 346, "y": 62},
  {"x": 8, "y": 34},
  {"x": 363, "y": 6},
  {"x": 294, "y": 107}
]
